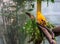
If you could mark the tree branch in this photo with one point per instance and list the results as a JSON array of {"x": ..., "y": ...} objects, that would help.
[
  {"x": 44, "y": 30},
  {"x": 47, "y": 34},
  {"x": 56, "y": 30}
]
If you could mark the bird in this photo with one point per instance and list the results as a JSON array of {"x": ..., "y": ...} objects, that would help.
[{"x": 41, "y": 19}]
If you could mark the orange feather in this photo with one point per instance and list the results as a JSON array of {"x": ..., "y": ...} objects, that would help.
[{"x": 41, "y": 19}]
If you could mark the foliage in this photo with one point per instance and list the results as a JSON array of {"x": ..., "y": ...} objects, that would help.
[
  {"x": 20, "y": 2},
  {"x": 50, "y": 25},
  {"x": 32, "y": 30}
]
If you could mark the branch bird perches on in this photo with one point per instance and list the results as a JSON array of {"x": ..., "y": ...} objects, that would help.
[{"x": 46, "y": 32}]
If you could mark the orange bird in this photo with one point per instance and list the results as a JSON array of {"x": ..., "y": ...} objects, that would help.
[{"x": 41, "y": 19}]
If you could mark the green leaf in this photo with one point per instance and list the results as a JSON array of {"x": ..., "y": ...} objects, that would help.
[
  {"x": 32, "y": 5},
  {"x": 30, "y": 9},
  {"x": 52, "y": 1}
]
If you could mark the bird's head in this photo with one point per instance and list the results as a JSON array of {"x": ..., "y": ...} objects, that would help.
[{"x": 41, "y": 19}]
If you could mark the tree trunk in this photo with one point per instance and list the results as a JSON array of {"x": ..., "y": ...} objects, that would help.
[
  {"x": 39, "y": 5},
  {"x": 38, "y": 41}
]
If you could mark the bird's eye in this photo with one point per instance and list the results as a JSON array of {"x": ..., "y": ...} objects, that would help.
[{"x": 42, "y": 20}]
